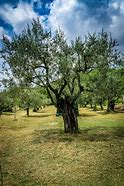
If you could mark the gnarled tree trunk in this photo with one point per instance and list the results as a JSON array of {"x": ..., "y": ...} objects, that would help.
[
  {"x": 111, "y": 105},
  {"x": 69, "y": 115}
]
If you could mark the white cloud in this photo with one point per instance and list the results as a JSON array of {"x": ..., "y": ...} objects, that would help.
[
  {"x": 76, "y": 18},
  {"x": 18, "y": 17},
  {"x": 117, "y": 26},
  {"x": 115, "y": 5},
  {"x": 72, "y": 17}
]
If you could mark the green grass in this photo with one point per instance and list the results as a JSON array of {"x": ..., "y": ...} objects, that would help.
[{"x": 35, "y": 151}]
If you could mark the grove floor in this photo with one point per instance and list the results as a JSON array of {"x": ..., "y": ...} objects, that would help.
[{"x": 34, "y": 151}]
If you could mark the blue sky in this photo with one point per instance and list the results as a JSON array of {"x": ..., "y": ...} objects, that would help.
[{"x": 74, "y": 17}]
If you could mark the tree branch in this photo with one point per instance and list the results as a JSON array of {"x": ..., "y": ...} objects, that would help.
[{"x": 62, "y": 88}]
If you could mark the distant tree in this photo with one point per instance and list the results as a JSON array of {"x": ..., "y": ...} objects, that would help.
[
  {"x": 113, "y": 90},
  {"x": 6, "y": 103},
  {"x": 106, "y": 87},
  {"x": 25, "y": 99},
  {"x": 43, "y": 96},
  {"x": 12, "y": 91},
  {"x": 38, "y": 57},
  {"x": 33, "y": 98}
]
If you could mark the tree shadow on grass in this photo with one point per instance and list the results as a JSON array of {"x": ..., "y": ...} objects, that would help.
[
  {"x": 39, "y": 116},
  {"x": 42, "y": 111},
  {"x": 88, "y": 134},
  {"x": 11, "y": 127},
  {"x": 103, "y": 112},
  {"x": 87, "y": 115},
  {"x": 7, "y": 113},
  {"x": 114, "y": 112}
]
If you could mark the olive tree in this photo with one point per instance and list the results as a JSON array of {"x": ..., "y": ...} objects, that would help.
[{"x": 38, "y": 57}]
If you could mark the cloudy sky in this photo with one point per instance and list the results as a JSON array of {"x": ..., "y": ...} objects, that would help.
[{"x": 74, "y": 17}]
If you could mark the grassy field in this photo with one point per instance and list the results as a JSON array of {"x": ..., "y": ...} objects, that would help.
[{"x": 35, "y": 151}]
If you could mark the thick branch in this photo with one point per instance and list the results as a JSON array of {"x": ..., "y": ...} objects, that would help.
[
  {"x": 47, "y": 77},
  {"x": 81, "y": 88},
  {"x": 49, "y": 93},
  {"x": 62, "y": 88},
  {"x": 71, "y": 87}
]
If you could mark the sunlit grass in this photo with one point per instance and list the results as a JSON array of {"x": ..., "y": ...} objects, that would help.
[{"x": 35, "y": 151}]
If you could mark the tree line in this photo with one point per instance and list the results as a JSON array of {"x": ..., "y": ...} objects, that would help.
[{"x": 17, "y": 97}]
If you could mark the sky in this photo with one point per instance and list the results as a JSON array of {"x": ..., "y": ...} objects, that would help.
[{"x": 74, "y": 17}]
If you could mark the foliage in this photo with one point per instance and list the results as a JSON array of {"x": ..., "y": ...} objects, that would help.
[
  {"x": 33, "y": 98},
  {"x": 6, "y": 102},
  {"x": 107, "y": 87}
]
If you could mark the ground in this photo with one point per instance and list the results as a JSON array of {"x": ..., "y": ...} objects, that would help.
[{"x": 36, "y": 152}]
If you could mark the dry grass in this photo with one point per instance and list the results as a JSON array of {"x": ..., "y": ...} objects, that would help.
[{"x": 36, "y": 152}]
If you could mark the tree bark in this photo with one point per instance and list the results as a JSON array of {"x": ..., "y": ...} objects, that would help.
[
  {"x": 27, "y": 110},
  {"x": 111, "y": 106},
  {"x": 101, "y": 105},
  {"x": 69, "y": 115}
]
